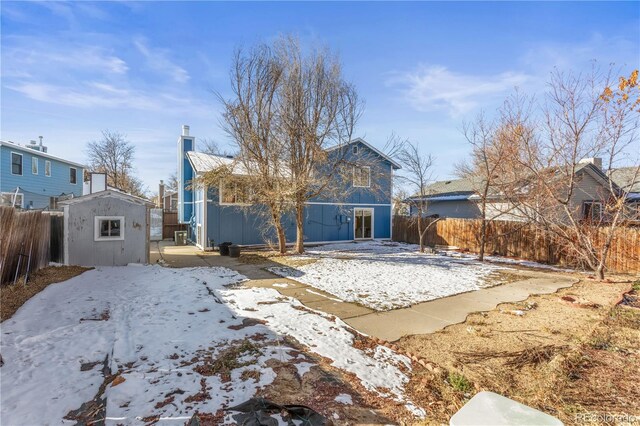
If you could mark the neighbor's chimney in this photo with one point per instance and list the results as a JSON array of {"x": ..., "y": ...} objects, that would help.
[
  {"x": 185, "y": 130},
  {"x": 40, "y": 137},
  {"x": 160, "y": 202},
  {"x": 596, "y": 161}
]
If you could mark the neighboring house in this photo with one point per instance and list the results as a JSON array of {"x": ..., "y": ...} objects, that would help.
[
  {"x": 457, "y": 198},
  {"x": 223, "y": 213},
  {"x": 166, "y": 199},
  {"x": 628, "y": 179},
  {"x": 106, "y": 228},
  {"x": 31, "y": 178}
]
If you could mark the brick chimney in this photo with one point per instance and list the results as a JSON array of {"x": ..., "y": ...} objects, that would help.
[{"x": 160, "y": 202}]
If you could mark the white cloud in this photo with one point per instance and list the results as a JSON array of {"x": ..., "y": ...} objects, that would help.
[
  {"x": 429, "y": 88},
  {"x": 34, "y": 54},
  {"x": 158, "y": 60}
]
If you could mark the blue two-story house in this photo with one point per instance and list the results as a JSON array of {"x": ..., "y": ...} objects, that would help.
[
  {"x": 30, "y": 178},
  {"x": 223, "y": 213}
]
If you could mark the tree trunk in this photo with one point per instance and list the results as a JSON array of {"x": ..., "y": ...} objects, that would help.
[
  {"x": 282, "y": 239},
  {"x": 420, "y": 233},
  {"x": 483, "y": 226},
  {"x": 483, "y": 239},
  {"x": 600, "y": 271},
  {"x": 299, "y": 228}
]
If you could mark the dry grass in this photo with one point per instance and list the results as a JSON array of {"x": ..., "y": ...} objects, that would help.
[
  {"x": 562, "y": 358},
  {"x": 12, "y": 297}
]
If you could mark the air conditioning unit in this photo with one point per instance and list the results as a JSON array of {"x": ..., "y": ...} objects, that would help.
[{"x": 180, "y": 238}]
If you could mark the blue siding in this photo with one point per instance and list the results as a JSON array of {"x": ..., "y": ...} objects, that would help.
[
  {"x": 187, "y": 194},
  {"x": 37, "y": 188},
  {"x": 325, "y": 219}
]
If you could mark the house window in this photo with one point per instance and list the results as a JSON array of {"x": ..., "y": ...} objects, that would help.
[
  {"x": 16, "y": 163},
  {"x": 73, "y": 175},
  {"x": 592, "y": 210},
  {"x": 362, "y": 177},
  {"x": 11, "y": 199},
  {"x": 235, "y": 192},
  {"x": 47, "y": 168},
  {"x": 34, "y": 165},
  {"x": 355, "y": 149},
  {"x": 109, "y": 228}
]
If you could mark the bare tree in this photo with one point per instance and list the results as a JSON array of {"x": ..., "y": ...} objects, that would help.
[
  {"x": 113, "y": 155},
  {"x": 584, "y": 116},
  {"x": 317, "y": 109},
  {"x": 417, "y": 175},
  {"x": 171, "y": 183},
  {"x": 490, "y": 169},
  {"x": 250, "y": 119}
]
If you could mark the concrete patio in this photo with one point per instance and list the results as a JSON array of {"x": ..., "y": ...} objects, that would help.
[{"x": 426, "y": 317}]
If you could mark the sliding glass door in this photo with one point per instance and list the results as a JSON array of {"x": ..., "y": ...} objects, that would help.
[{"x": 363, "y": 224}]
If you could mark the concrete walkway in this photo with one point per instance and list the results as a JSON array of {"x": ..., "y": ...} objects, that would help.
[{"x": 426, "y": 317}]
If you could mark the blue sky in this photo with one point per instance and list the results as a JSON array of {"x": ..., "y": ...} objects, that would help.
[{"x": 70, "y": 70}]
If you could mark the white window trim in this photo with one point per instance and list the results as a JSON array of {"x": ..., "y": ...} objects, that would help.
[
  {"x": 13, "y": 194},
  {"x": 21, "y": 162},
  {"x": 592, "y": 203},
  {"x": 220, "y": 202},
  {"x": 96, "y": 228},
  {"x": 35, "y": 162},
  {"x": 368, "y": 185},
  {"x": 47, "y": 162},
  {"x": 76, "y": 182}
]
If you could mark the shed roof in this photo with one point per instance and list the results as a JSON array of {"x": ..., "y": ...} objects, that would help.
[{"x": 113, "y": 193}]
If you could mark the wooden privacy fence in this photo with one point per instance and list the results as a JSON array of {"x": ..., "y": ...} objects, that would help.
[
  {"x": 24, "y": 242},
  {"x": 516, "y": 239},
  {"x": 170, "y": 224}
]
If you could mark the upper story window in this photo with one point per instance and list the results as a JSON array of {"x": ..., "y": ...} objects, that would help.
[
  {"x": 73, "y": 175},
  {"x": 34, "y": 165},
  {"x": 47, "y": 168},
  {"x": 362, "y": 177},
  {"x": 592, "y": 211},
  {"x": 236, "y": 192},
  {"x": 16, "y": 163},
  {"x": 355, "y": 149}
]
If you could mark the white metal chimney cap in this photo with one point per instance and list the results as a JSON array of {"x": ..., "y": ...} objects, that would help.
[{"x": 185, "y": 130}]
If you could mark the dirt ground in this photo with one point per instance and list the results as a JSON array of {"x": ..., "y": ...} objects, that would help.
[
  {"x": 569, "y": 354},
  {"x": 12, "y": 297}
]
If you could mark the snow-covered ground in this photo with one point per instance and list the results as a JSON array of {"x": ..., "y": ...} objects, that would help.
[
  {"x": 383, "y": 275},
  {"x": 156, "y": 326}
]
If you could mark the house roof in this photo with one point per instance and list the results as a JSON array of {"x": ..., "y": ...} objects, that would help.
[
  {"x": 395, "y": 164},
  {"x": 13, "y": 145},
  {"x": 108, "y": 193},
  {"x": 626, "y": 178},
  {"x": 202, "y": 162},
  {"x": 451, "y": 186},
  {"x": 449, "y": 190}
]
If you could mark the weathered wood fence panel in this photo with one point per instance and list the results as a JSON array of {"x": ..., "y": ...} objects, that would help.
[
  {"x": 24, "y": 242},
  {"x": 516, "y": 239},
  {"x": 56, "y": 241},
  {"x": 170, "y": 224}
]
